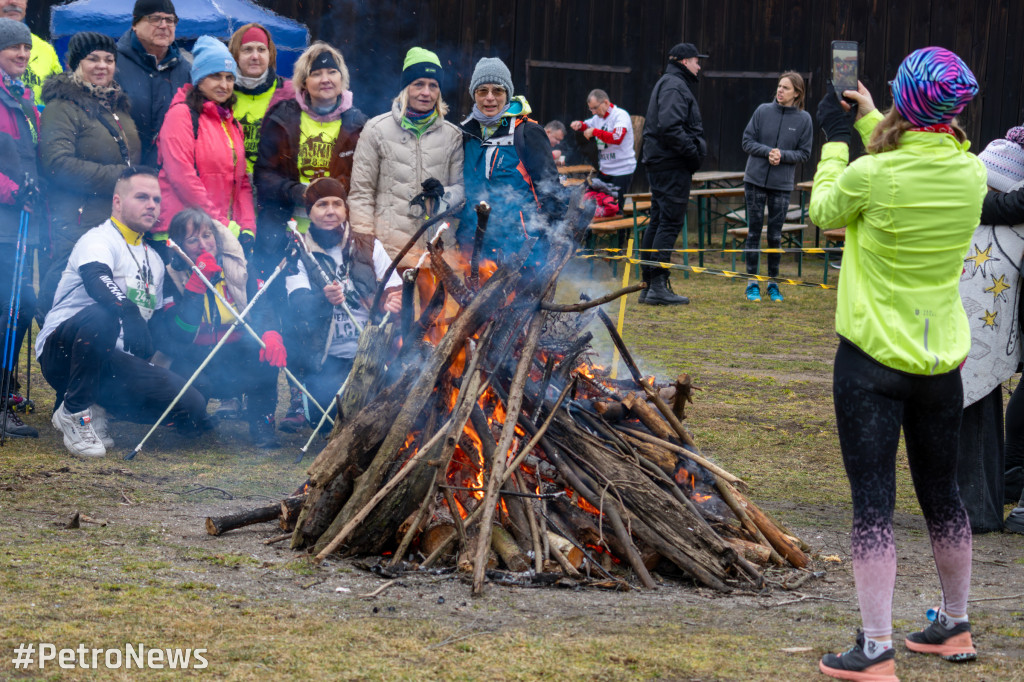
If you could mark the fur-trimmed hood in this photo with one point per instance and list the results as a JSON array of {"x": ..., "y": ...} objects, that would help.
[{"x": 61, "y": 86}]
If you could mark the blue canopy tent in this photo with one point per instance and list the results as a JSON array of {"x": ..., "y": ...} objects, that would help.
[{"x": 218, "y": 18}]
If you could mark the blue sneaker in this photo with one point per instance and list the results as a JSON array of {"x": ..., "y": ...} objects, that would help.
[
  {"x": 753, "y": 292},
  {"x": 773, "y": 292}
]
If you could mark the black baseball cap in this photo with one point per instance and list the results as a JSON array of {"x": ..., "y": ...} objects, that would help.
[{"x": 685, "y": 51}]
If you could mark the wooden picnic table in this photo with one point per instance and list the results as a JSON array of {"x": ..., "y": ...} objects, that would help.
[
  {"x": 581, "y": 169},
  {"x": 704, "y": 217}
]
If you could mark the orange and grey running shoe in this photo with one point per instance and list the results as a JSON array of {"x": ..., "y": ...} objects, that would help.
[
  {"x": 855, "y": 664},
  {"x": 953, "y": 644}
]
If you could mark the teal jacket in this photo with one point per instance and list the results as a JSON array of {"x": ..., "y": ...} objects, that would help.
[{"x": 909, "y": 215}]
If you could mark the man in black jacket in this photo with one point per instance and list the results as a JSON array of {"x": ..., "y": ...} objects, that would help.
[
  {"x": 151, "y": 69},
  {"x": 673, "y": 150}
]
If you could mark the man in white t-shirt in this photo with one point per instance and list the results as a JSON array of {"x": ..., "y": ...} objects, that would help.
[
  {"x": 95, "y": 343},
  {"x": 354, "y": 263},
  {"x": 612, "y": 128}
]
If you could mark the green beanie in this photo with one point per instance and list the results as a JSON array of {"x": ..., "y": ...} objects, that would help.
[{"x": 420, "y": 63}]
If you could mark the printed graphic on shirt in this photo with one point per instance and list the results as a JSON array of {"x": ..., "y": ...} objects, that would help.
[
  {"x": 251, "y": 132},
  {"x": 316, "y": 142}
]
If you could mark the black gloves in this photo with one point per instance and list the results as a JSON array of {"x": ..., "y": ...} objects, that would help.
[
  {"x": 433, "y": 189},
  {"x": 248, "y": 243},
  {"x": 28, "y": 192},
  {"x": 137, "y": 340},
  {"x": 835, "y": 123}
]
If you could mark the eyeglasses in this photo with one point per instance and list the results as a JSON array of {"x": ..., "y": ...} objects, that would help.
[
  {"x": 484, "y": 91},
  {"x": 161, "y": 19}
]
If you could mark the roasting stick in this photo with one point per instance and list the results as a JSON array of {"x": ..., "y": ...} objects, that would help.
[
  {"x": 593, "y": 303},
  {"x": 252, "y": 332}
]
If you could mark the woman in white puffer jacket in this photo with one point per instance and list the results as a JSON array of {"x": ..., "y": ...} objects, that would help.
[{"x": 403, "y": 154}]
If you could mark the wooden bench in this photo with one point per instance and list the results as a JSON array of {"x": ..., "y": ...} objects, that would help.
[
  {"x": 610, "y": 227},
  {"x": 833, "y": 238},
  {"x": 792, "y": 238}
]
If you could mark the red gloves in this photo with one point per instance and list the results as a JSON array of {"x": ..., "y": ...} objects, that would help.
[
  {"x": 208, "y": 264},
  {"x": 274, "y": 354}
]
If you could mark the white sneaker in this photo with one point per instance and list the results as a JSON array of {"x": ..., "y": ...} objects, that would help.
[
  {"x": 100, "y": 426},
  {"x": 79, "y": 436}
]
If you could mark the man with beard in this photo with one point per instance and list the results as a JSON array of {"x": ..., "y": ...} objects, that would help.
[
  {"x": 43, "y": 61},
  {"x": 95, "y": 344}
]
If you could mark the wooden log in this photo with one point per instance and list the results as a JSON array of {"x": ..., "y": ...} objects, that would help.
[
  {"x": 684, "y": 394},
  {"x": 290, "y": 508},
  {"x": 778, "y": 540},
  {"x": 751, "y": 551},
  {"x": 435, "y": 536},
  {"x": 508, "y": 549},
  {"x": 569, "y": 552},
  {"x": 586, "y": 305},
  {"x": 707, "y": 464},
  {"x": 368, "y": 371},
  {"x": 218, "y": 525},
  {"x": 611, "y": 410},
  {"x": 638, "y": 405}
]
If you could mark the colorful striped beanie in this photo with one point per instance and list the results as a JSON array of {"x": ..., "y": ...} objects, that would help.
[
  {"x": 932, "y": 86},
  {"x": 1004, "y": 160}
]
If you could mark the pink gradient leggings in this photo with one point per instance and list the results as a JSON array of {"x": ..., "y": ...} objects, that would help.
[{"x": 872, "y": 403}]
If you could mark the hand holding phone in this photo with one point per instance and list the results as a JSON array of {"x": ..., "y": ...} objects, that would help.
[{"x": 844, "y": 66}]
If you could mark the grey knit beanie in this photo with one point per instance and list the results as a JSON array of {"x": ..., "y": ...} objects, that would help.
[
  {"x": 13, "y": 33},
  {"x": 491, "y": 70}
]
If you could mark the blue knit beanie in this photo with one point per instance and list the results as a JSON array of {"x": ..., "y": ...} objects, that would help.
[{"x": 209, "y": 56}]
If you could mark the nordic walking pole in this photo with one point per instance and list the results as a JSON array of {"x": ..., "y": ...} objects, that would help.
[
  {"x": 11, "y": 332},
  {"x": 220, "y": 297},
  {"x": 323, "y": 418},
  {"x": 316, "y": 273},
  {"x": 239, "y": 319}
]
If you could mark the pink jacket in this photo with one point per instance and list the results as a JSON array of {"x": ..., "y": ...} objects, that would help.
[{"x": 202, "y": 170}]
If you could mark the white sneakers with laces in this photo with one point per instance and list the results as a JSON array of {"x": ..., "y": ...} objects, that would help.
[{"x": 80, "y": 437}]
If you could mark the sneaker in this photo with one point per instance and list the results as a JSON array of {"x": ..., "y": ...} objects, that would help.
[
  {"x": 79, "y": 436},
  {"x": 15, "y": 428},
  {"x": 1015, "y": 521},
  {"x": 262, "y": 432},
  {"x": 100, "y": 426},
  {"x": 953, "y": 644},
  {"x": 753, "y": 292},
  {"x": 773, "y": 292},
  {"x": 855, "y": 665},
  {"x": 229, "y": 409},
  {"x": 295, "y": 419}
]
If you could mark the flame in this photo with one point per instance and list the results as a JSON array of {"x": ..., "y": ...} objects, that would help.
[{"x": 487, "y": 269}]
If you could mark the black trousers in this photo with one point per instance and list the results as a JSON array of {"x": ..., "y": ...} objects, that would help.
[
  {"x": 82, "y": 364},
  {"x": 670, "y": 192},
  {"x": 325, "y": 383}
]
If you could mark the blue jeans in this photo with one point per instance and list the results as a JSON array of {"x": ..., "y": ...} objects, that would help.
[{"x": 777, "y": 201}]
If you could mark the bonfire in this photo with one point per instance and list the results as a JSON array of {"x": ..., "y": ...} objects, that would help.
[{"x": 482, "y": 437}]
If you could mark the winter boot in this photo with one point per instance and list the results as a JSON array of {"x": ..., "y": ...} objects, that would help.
[
  {"x": 15, "y": 428},
  {"x": 645, "y": 275},
  {"x": 660, "y": 293},
  {"x": 773, "y": 292},
  {"x": 295, "y": 418},
  {"x": 753, "y": 292},
  {"x": 262, "y": 432}
]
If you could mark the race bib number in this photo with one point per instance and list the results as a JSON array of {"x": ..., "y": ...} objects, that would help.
[{"x": 139, "y": 294}]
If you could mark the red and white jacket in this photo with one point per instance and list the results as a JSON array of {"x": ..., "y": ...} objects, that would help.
[{"x": 614, "y": 135}]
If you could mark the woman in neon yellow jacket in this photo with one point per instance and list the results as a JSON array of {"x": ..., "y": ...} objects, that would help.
[{"x": 910, "y": 208}]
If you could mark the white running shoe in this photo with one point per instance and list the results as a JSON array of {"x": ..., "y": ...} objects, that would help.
[
  {"x": 100, "y": 426},
  {"x": 79, "y": 436}
]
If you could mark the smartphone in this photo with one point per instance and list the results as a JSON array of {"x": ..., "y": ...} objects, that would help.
[{"x": 844, "y": 66}]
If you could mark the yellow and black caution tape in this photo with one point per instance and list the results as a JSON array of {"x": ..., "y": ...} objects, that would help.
[
  {"x": 700, "y": 270},
  {"x": 808, "y": 249}
]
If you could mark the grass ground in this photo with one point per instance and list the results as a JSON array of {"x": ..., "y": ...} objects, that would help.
[{"x": 153, "y": 576}]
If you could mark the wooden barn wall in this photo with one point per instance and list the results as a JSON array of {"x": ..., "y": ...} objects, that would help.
[{"x": 743, "y": 37}]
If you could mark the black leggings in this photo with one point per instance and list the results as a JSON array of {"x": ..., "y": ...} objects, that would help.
[{"x": 872, "y": 403}]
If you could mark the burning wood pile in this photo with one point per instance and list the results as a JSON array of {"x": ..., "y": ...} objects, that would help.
[{"x": 490, "y": 440}]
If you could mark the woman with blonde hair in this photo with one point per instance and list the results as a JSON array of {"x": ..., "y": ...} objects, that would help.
[
  {"x": 910, "y": 207},
  {"x": 311, "y": 135},
  {"x": 408, "y": 163}
]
